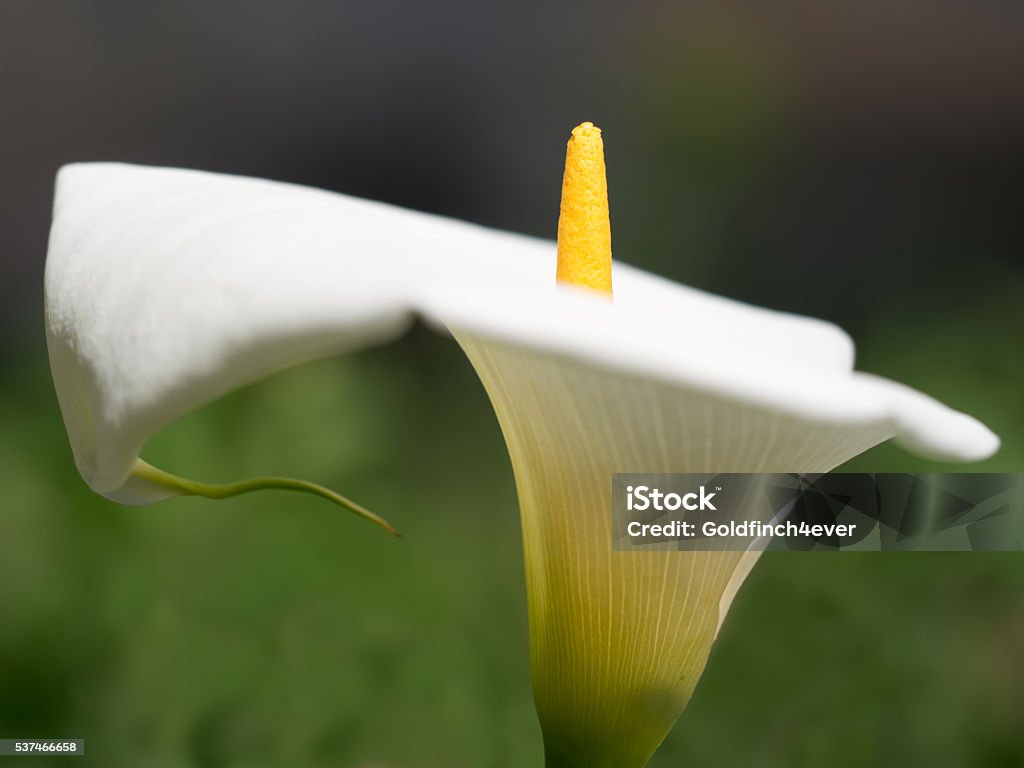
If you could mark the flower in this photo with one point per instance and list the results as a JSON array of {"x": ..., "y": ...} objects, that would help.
[{"x": 166, "y": 288}]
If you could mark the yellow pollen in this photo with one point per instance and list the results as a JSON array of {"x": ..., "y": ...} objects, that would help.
[{"x": 584, "y": 232}]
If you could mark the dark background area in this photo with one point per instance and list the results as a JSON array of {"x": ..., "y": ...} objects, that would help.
[{"x": 858, "y": 161}]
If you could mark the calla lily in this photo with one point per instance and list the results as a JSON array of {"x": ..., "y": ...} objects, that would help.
[{"x": 167, "y": 288}]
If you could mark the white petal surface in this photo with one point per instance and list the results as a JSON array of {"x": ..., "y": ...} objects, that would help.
[
  {"x": 619, "y": 639},
  {"x": 166, "y": 288}
]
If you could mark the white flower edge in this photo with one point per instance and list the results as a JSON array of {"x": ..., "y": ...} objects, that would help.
[{"x": 166, "y": 288}]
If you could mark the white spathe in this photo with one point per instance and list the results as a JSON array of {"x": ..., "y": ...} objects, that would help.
[{"x": 166, "y": 288}]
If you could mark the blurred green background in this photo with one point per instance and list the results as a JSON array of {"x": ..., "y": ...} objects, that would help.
[{"x": 855, "y": 161}]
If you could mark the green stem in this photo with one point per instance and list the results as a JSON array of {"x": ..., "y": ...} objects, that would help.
[{"x": 227, "y": 490}]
